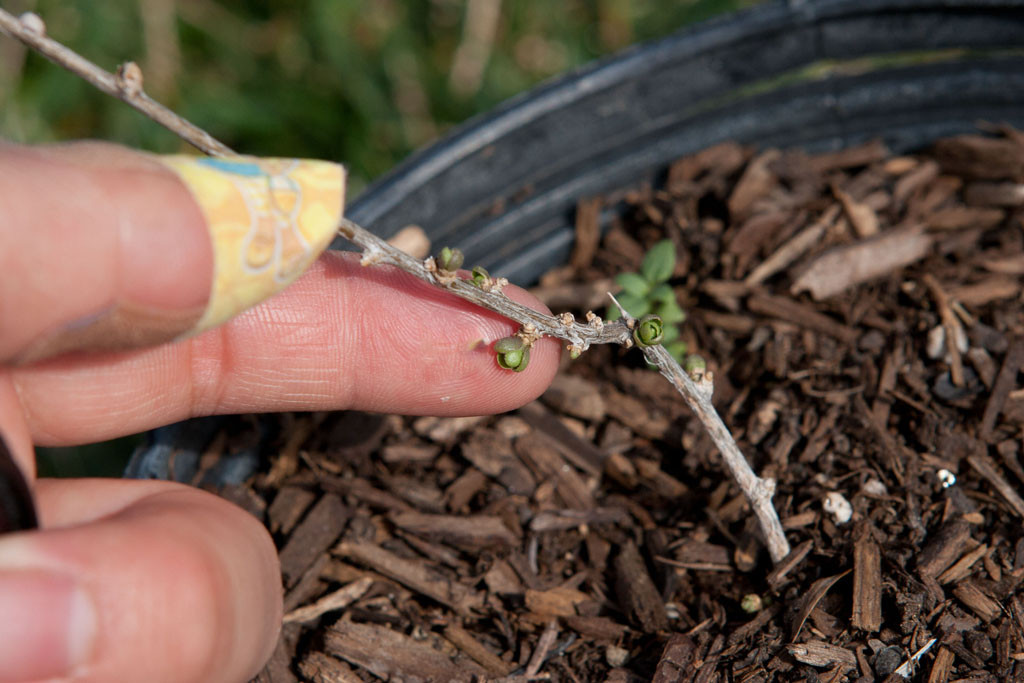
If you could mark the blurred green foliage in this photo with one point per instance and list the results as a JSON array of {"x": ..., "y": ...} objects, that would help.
[
  {"x": 359, "y": 81},
  {"x": 363, "y": 82}
]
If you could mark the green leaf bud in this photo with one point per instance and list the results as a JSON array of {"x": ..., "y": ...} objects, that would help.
[
  {"x": 480, "y": 276},
  {"x": 649, "y": 331},
  {"x": 450, "y": 259},
  {"x": 751, "y": 603},
  {"x": 510, "y": 360},
  {"x": 694, "y": 364},
  {"x": 512, "y": 353}
]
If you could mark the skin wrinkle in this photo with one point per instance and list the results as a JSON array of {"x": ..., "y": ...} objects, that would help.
[{"x": 209, "y": 369}]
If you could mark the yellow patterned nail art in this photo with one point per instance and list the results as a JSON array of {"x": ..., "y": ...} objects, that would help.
[{"x": 269, "y": 219}]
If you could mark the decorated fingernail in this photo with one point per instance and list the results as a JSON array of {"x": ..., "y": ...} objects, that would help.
[{"x": 269, "y": 219}]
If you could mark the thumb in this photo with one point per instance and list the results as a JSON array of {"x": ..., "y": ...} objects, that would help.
[
  {"x": 106, "y": 248},
  {"x": 137, "y": 581}
]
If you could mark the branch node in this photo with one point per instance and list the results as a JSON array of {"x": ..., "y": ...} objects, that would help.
[
  {"x": 129, "y": 79},
  {"x": 33, "y": 23},
  {"x": 371, "y": 257},
  {"x": 529, "y": 334},
  {"x": 494, "y": 285}
]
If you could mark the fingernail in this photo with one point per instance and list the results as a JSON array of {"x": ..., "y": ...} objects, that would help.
[
  {"x": 268, "y": 219},
  {"x": 48, "y": 626}
]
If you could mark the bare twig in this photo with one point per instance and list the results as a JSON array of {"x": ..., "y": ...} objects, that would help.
[
  {"x": 377, "y": 251},
  {"x": 580, "y": 336},
  {"x": 126, "y": 85},
  {"x": 758, "y": 491}
]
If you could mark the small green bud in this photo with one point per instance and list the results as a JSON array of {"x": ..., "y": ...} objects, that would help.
[
  {"x": 480, "y": 276},
  {"x": 694, "y": 364},
  {"x": 649, "y": 331},
  {"x": 450, "y": 259},
  {"x": 513, "y": 354},
  {"x": 751, "y": 603},
  {"x": 575, "y": 352},
  {"x": 510, "y": 360}
]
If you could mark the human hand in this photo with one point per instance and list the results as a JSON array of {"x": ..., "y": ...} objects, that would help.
[{"x": 101, "y": 248}]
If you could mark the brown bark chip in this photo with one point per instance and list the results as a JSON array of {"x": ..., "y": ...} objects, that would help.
[
  {"x": 944, "y": 549},
  {"x": 313, "y": 536},
  {"x": 637, "y": 594},
  {"x": 676, "y": 661},
  {"x": 867, "y": 582},
  {"x": 394, "y": 656}
]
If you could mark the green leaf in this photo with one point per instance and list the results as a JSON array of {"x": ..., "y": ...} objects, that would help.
[
  {"x": 663, "y": 293},
  {"x": 633, "y": 284},
  {"x": 671, "y": 313},
  {"x": 631, "y": 303},
  {"x": 659, "y": 262},
  {"x": 636, "y": 306}
]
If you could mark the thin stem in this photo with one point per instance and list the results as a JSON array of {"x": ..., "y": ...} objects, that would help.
[
  {"x": 126, "y": 85},
  {"x": 582, "y": 335},
  {"x": 758, "y": 491}
]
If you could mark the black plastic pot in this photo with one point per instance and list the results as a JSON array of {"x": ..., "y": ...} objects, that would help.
[{"x": 821, "y": 75}]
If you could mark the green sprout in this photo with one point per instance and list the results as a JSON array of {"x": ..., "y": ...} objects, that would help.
[
  {"x": 480, "y": 276},
  {"x": 649, "y": 293},
  {"x": 695, "y": 366},
  {"x": 650, "y": 330},
  {"x": 513, "y": 353},
  {"x": 450, "y": 259}
]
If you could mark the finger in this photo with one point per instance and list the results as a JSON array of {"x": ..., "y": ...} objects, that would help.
[
  {"x": 173, "y": 584},
  {"x": 342, "y": 337},
  {"x": 104, "y": 248},
  {"x": 93, "y": 229}
]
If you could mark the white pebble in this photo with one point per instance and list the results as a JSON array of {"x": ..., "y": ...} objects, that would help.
[
  {"x": 836, "y": 505},
  {"x": 946, "y": 477},
  {"x": 875, "y": 487},
  {"x": 616, "y": 656},
  {"x": 936, "y": 345}
]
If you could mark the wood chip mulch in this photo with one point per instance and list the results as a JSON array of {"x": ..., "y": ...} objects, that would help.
[{"x": 862, "y": 315}]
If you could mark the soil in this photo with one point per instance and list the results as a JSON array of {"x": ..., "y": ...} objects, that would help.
[{"x": 861, "y": 314}]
